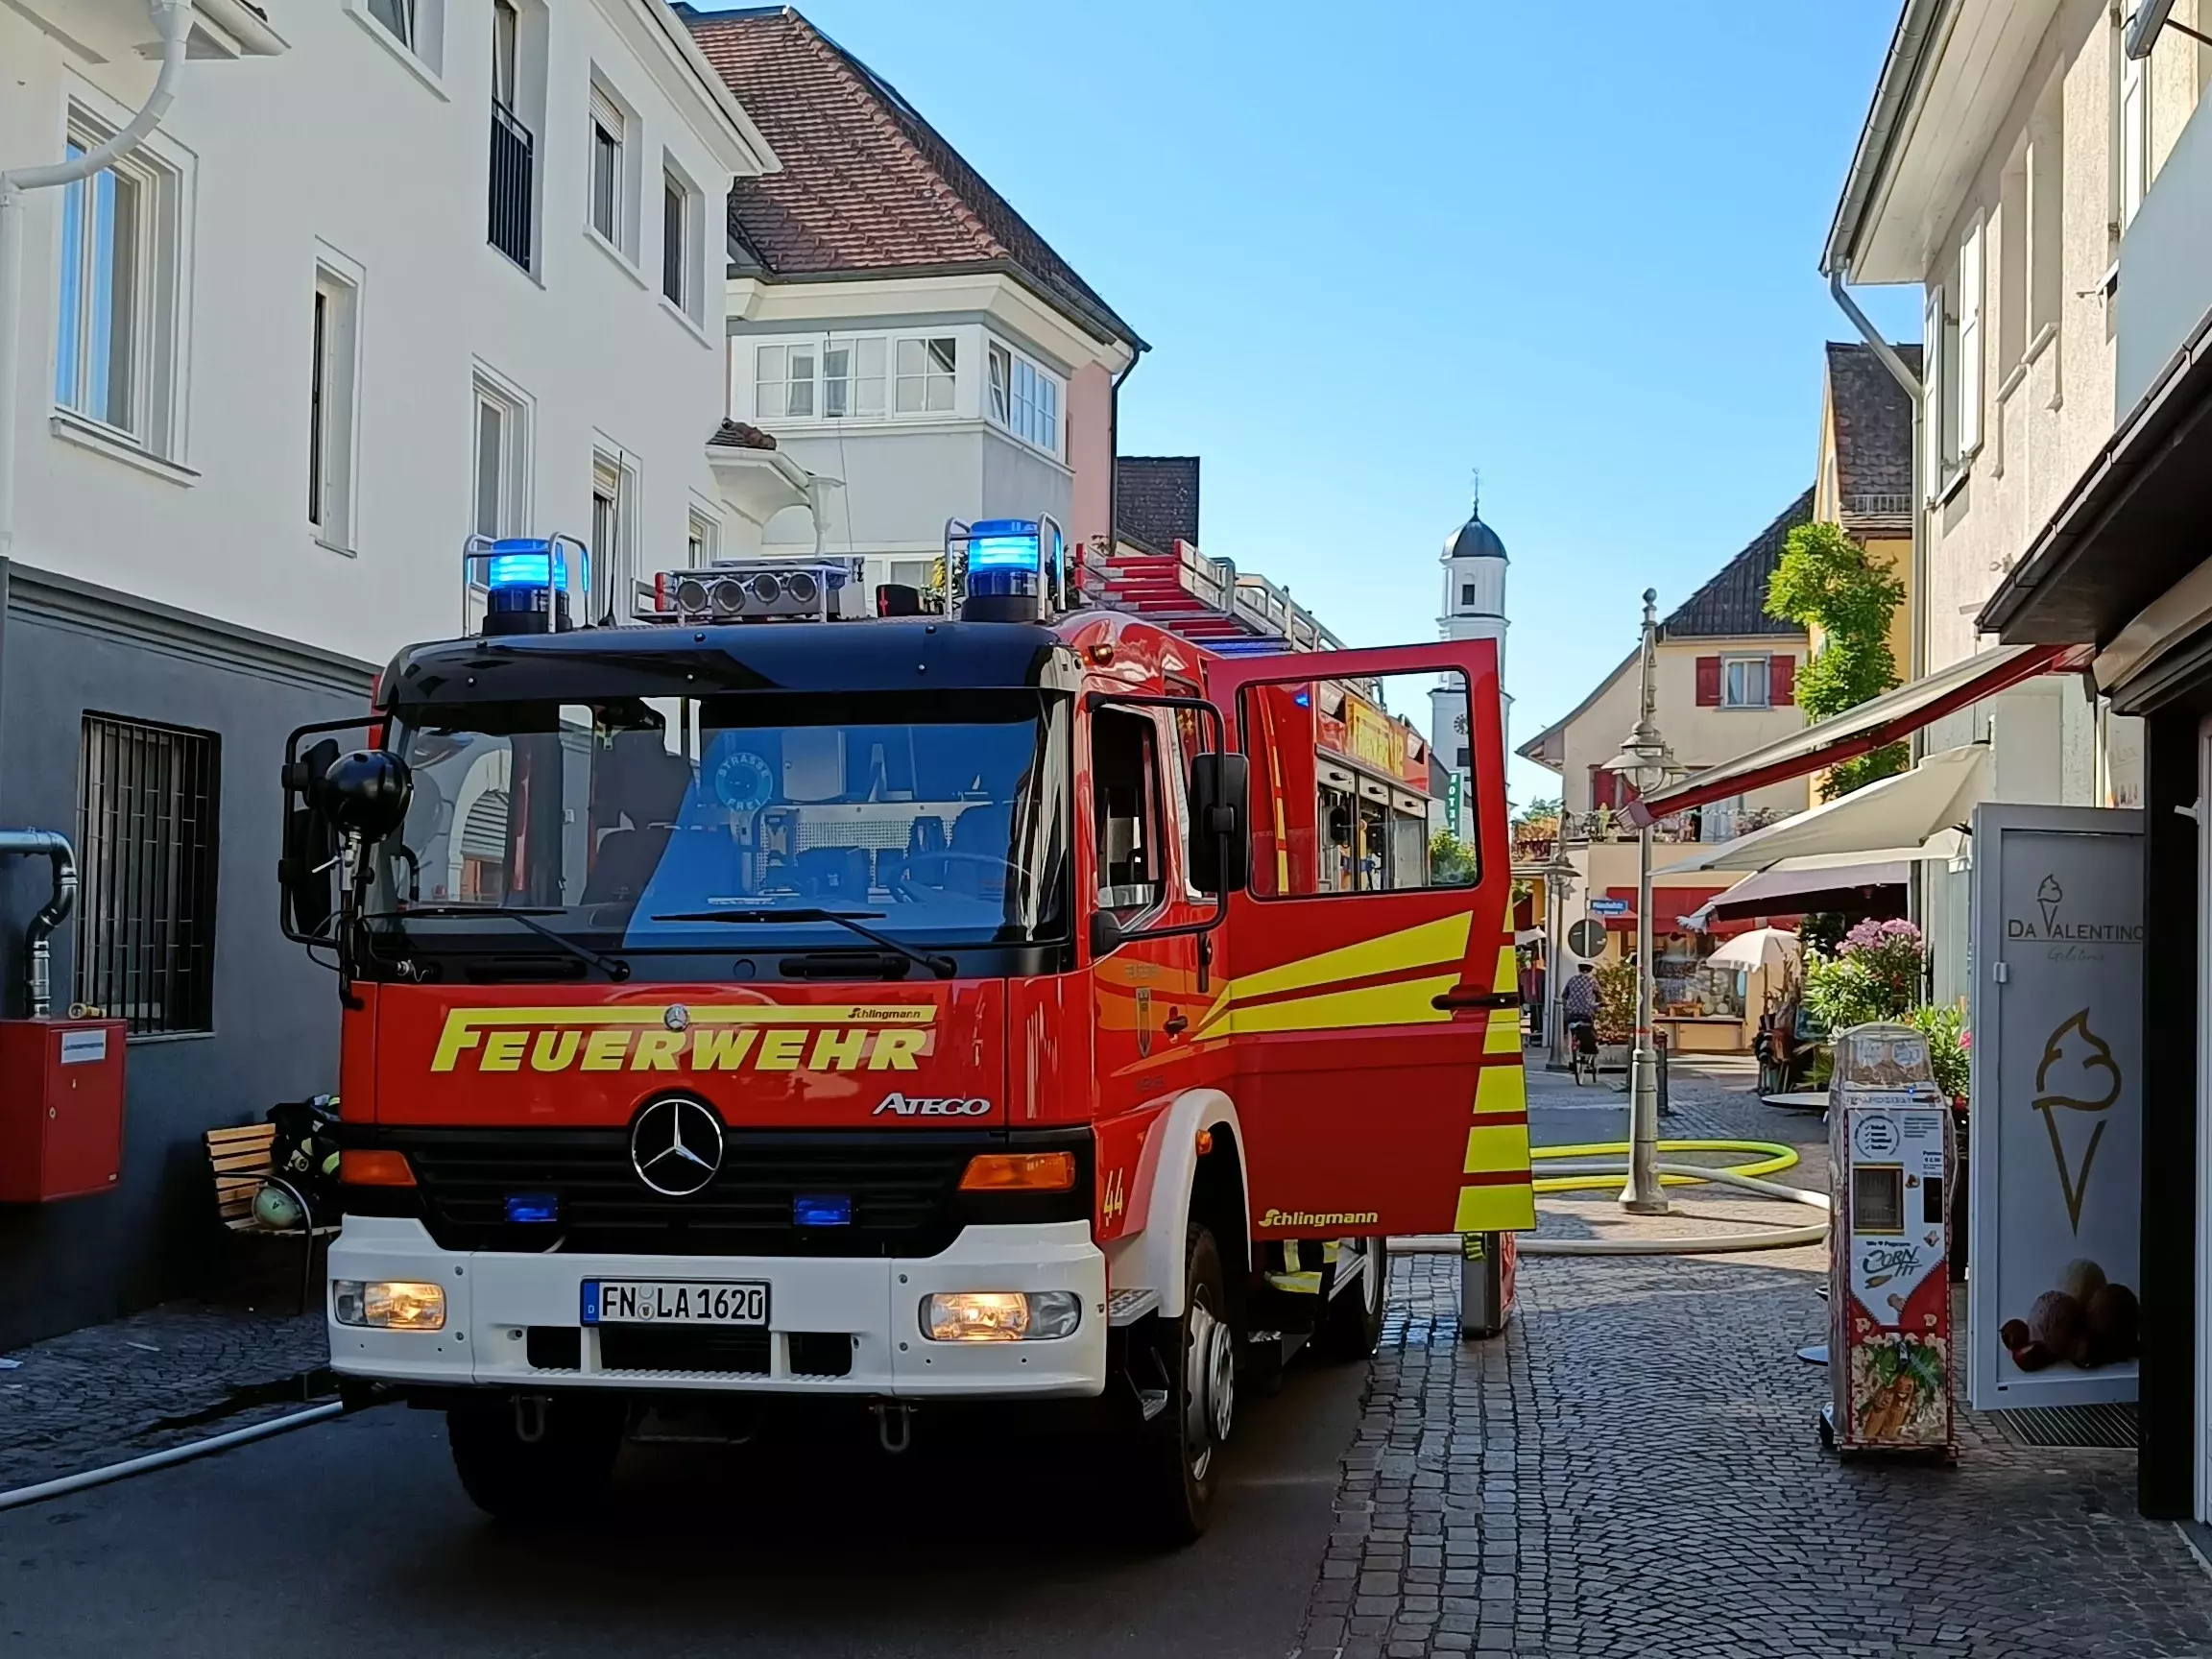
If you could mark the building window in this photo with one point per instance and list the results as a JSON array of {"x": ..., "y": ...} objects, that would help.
[
  {"x": 919, "y": 575},
  {"x": 506, "y": 51},
  {"x": 838, "y": 379},
  {"x": 924, "y": 376},
  {"x": 1744, "y": 683},
  {"x": 397, "y": 16},
  {"x": 1466, "y": 592},
  {"x": 704, "y": 543},
  {"x": 1466, "y": 757},
  {"x": 608, "y": 128},
  {"x": 1966, "y": 368},
  {"x": 514, "y": 146},
  {"x": 852, "y": 377},
  {"x": 613, "y": 529},
  {"x": 333, "y": 374},
  {"x": 114, "y": 350},
  {"x": 783, "y": 382},
  {"x": 1025, "y": 399},
  {"x": 501, "y": 489},
  {"x": 675, "y": 241},
  {"x": 146, "y": 825},
  {"x": 2133, "y": 114}
]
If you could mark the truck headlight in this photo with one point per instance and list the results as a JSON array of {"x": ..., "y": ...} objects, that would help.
[
  {"x": 1000, "y": 1315},
  {"x": 388, "y": 1304}
]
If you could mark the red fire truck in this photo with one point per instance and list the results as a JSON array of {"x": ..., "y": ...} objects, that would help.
[{"x": 767, "y": 1010}]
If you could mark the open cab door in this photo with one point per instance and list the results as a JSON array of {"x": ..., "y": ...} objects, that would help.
[{"x": 1368, "y": 989}]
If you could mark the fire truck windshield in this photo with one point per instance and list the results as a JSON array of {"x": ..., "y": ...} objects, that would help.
[{"x": 638, "y": 824}]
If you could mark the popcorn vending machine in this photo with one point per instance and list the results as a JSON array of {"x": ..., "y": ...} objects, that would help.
[{"x": 1891, "y": 1155}]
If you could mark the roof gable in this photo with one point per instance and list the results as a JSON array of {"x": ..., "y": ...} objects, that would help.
[
  {"x": 1732, "y": 604},
  {"x": 866, "y": 184},
  {"x": 1873, "y": 437}
]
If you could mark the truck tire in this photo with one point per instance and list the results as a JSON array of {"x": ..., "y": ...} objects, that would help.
[
  {"x": 535, "y": 1481},
  {"x": 1179, "y": 1449},
  {"x": 1352, "y": 1323}
]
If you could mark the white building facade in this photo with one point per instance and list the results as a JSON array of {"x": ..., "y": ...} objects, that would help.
[{"x": 388, "y": 273}]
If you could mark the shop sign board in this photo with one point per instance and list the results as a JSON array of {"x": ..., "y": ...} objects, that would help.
[
  {"x": 1452, "y": 803},
  {"x": 1375, "y": 738},
  {"x": 2055, "y": 1145}
]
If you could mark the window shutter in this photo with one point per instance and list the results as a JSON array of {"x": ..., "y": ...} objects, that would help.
[
  {"x": 607, "y": 112},
  {"x": 1604, "y": 788},
  {"x": 1969, "y": 365},
  {"x": 1708, "y": 682},
  {"x": 1931, "y": 398},
  {"x": 1781, "y": 679}
]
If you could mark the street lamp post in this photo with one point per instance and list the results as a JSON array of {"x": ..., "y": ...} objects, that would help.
[
  {"x": 1558, "y": 881},
  {"x": 1647, "y": 762}
]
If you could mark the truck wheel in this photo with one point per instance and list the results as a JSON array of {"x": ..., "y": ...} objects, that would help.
[
  {"x": 1182, "y": 1444},
  {"x": 1352, "y": 1323},
  {"x": 546, "y": 1478}
]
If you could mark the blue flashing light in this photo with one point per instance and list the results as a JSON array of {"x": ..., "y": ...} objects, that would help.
[
  {"x": 520, "y": 563},
  {"x": 533, "y": 1209},
  {"x": 822, "y": 1209},
  {"x": 1003, "y": 545},
  {"x": 1305, "y": 697}
]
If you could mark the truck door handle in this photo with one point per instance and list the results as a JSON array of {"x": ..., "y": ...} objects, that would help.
[
  {"x": 1176, "y": 1024},
  {"x": 1460, "y": 997}
]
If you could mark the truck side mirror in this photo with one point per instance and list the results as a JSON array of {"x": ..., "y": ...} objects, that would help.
[
  {"x": 1106, "y": 936},
  {"x": 307, "y": 866},
  {"x": 1220, "y": 823}
]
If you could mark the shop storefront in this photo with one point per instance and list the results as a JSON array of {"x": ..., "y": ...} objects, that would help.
[{"x": 2126, "y": 565}]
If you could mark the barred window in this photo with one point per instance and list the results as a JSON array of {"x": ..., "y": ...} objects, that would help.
[{"x": 146, "y": 805}]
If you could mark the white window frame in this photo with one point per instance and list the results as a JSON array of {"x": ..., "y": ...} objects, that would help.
[
  {"x": 1936, "y": 427},
  {"x": 925, "y": 375},
  {"x": 1730, "y": 661},
  {"x": 1031, "y": 401},
  {"x": 2131, "y": 146},
  {"x": 1967, "y": 373},
  {"x": 334, "y": 402},
  {"x": 704, "y": 535},
  {"x": 158, "y": 306},
  {"x": 689, "y": 302},
  {"x": 608, "y": 112},
  {"x": 420, "y": 46},
  {"x": 613, "y": 566},
  {"x": 516, "y": 412},
  {"x": 777, "y": 364}
]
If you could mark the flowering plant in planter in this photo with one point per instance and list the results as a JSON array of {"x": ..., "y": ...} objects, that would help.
[
  {"x": 1874, "y": 975},
  {"x": 1948, "y": 1055}
]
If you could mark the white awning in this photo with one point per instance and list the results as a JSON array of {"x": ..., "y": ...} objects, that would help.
[
  {"x": 1914, "y": 816},
  {"x": 1870, "y": 726},
  {"x": 1826, "y": 883}
]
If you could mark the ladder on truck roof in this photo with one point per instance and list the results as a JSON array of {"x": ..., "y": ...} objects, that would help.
[{"x": 1206, "y": 600}]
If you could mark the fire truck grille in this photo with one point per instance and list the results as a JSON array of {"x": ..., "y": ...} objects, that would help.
[{"x": 902, "y": 1190}]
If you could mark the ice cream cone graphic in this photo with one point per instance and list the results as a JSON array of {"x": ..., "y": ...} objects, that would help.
[
  {"x": 2074, "y": 1087},
  {"x": 2049, "y": 896}
]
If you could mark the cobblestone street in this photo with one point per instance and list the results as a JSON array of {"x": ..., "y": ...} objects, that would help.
[{"x": 1633, "y": 1468}]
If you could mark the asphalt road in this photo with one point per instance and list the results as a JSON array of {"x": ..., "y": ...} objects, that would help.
[{"x": 352, "y": 1537}]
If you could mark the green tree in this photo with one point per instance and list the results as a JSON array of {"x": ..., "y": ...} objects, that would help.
[
  {"x": 1451, "y": 860},
  {"x": 1827, "y": 581}
]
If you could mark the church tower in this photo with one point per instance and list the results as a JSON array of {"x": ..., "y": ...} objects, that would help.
[{"x": 1474, "y": 561}]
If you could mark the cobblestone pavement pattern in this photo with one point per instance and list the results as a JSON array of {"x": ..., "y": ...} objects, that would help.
[
  {"x": 159, "y": 1378},
  {"x": 1632, "y": 1470}
]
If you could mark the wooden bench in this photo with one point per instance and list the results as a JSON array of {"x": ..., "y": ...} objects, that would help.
[{"x": 239, "y": 1159}]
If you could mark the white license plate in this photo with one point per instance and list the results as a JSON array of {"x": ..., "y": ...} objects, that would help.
[{"x": 673, "y": 1302}]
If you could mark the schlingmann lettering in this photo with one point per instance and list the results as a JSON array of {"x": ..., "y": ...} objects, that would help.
[
  {"x": 1319, "y": 1218},
  {"x": 741, "y": 1039}
]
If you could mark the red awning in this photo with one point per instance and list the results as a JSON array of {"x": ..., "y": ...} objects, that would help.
[{"x": 1878, "y": 721}]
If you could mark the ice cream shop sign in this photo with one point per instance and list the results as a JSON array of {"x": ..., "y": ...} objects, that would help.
[{"x": 2056, "y": 1114}]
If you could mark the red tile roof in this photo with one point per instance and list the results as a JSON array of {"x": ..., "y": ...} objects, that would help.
[{"x": 866, "y": 184}]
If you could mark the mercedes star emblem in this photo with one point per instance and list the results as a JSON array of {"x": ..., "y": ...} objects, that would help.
[{"x": 676, "y": 1146}]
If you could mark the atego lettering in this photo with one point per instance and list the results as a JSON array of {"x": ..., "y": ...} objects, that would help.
[
  {"x": 916, "y": 1106},
  {"x": 747, "y": 1038}
]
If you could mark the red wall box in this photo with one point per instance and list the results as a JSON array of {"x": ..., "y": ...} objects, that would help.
[{"x": 61, "y": 1108}]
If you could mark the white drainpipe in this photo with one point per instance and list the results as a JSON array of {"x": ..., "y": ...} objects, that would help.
[{"x": 173, "y": 21}]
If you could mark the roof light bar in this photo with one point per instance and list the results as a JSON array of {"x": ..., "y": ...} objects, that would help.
[{"x": 762, "y": 589}]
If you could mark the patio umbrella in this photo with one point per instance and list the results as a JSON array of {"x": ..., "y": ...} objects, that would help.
[{"x": 1760, "y": 948}]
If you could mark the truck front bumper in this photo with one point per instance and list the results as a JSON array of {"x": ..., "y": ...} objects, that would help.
[{"x": 495, "y": 1302}]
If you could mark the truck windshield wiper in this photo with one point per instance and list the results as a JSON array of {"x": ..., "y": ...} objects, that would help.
[
  {"x": 944, "y": 967},
  {"x": 523, "y": 916}
]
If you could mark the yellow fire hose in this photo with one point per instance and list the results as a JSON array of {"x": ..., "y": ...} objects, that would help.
[{"x": 1604, "y": 1165}]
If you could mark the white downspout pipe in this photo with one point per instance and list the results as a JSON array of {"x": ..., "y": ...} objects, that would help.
[{"x": 172, "y": 22}]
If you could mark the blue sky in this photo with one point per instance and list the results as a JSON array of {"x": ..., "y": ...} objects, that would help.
[{"x": 1375, "y": 247}]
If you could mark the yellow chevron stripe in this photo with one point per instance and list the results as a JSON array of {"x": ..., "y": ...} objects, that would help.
[
  {"x": 1443, "y": 941},
  {"x": 1403, "y": 1003},
  {"x": 1504, "y": 1034},
  {"x": 1501, "y": 1089},
  {"x": 1508, "y": 976},
  {"x": 1493, "y": 1148},
  {"x": 1496, "y": 1209}
]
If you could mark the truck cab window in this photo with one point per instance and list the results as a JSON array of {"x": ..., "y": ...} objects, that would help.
[{"x": 1125, "y": 809}]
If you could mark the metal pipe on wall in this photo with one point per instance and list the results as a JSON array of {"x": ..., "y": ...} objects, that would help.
[{"x": 39, "y": 965}]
